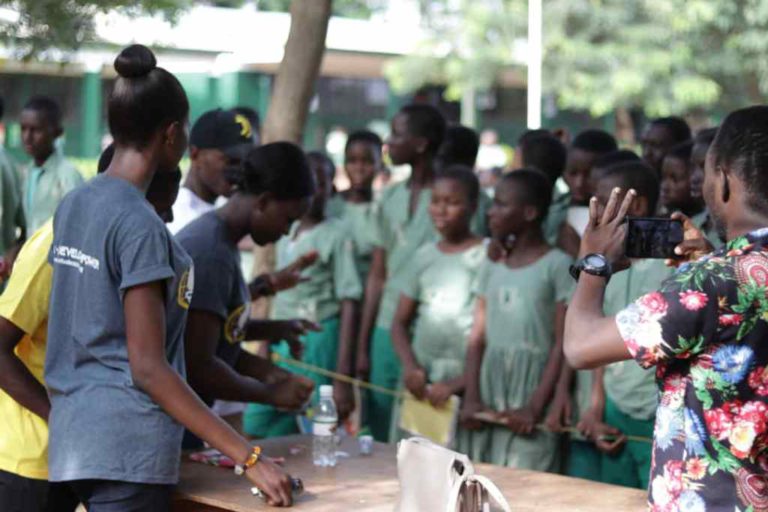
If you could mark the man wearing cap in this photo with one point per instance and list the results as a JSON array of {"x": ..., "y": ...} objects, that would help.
[{"x": 219, "y": 139}]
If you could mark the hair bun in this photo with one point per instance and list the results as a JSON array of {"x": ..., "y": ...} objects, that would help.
[{"x": 135, "y": 61}]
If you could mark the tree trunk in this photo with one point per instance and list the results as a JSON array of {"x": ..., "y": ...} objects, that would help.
[
  {"x": 295, "y": 80},
  {"x": 625, "y": 128},
  {"x": 292, "y": 91}
]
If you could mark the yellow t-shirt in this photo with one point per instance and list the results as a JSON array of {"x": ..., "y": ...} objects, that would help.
[{"x": 23, "y": 434}]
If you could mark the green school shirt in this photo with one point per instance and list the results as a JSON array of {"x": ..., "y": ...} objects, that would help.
[
  {"x": 12, "y": 210},
  {"x": 334, "y": 207},
  {"x": 629, "y": 386},
  {"x": 401, "y": 235},
  {"x": 332, "y": 278},
  {"x": 520, "y": 325},
  {"x": 359, "y": 221},
  {"x": 558, "y": 212},
  {"x": 443, "y": 285},
  {"x": 45, "y": 186}
]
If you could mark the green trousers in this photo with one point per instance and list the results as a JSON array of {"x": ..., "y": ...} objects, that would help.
[
  {"x": 584, "y": 460},
  {"x": 631, "y": 467},
  {"x": 385, "y": 372},
  {"x": 320, "y": 349}
]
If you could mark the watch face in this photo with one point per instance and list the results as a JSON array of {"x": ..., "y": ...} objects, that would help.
[{"x": 594, "y": 261}]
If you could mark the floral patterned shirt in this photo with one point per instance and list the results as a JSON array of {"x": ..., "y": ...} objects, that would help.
[{"x": 706, "y": 331}]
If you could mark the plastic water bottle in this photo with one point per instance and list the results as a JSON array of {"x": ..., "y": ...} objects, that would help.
[{"x": 324, "y": 429}]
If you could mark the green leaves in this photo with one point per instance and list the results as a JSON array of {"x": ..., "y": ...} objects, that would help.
[
  {"x": 67, "y": 24},
  {"x": 665, "y": 56}
]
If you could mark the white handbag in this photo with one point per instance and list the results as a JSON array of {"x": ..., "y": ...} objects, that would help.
[{"x": 436, "y": 479}]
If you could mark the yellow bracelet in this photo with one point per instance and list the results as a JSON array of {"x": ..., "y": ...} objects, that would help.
[{"x": 253, "y": 458}]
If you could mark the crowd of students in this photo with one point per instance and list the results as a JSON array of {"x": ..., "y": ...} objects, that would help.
[{"x": 118, "y": 332}]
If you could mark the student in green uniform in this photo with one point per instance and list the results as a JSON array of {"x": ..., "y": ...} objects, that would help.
[
  {"x": 434, "y": 315},
  {"x": 402, "y": 226},
  {"x": 703, "y": 220},
  {"x": 676, "y": 182},
  {"x": 49, "y": 176},
  {"x": 624, "y": 396},
  {"x": 362, "y": 162},
  {"x": 587, "y": 147},
  {"x": 329, "y": 295},
  {"x": 515, "y": 348}
]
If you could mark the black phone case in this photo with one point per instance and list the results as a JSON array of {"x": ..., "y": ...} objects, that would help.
[{"x": 656, "y": 241}]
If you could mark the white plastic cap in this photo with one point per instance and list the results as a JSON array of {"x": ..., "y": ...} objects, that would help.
[{"x": 326, "y": 391}]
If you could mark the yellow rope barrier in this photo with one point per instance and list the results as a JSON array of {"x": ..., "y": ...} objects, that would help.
[{"x": 485, "y": 417}]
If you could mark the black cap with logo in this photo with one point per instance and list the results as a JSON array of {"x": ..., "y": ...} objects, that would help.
[{"x": 223, "y": 130}]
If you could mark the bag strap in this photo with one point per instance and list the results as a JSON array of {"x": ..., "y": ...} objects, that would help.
[{"x": 483, "y": 483}]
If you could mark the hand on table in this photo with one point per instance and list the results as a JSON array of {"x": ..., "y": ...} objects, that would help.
[{"x": 273, "y": 481}]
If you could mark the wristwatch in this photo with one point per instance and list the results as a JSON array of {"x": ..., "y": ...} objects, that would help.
[
  {"x": 253, "y": 458},
  {"x": 593, "y": 264}
]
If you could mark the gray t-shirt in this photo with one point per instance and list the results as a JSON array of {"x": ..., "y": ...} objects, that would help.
[
  {"x": 221, "y": 288},
  {"x": 107, "y": 239}
]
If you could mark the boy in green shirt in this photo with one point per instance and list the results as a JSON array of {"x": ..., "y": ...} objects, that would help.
[
  {"x": 50, "y": 176},
  {"x": 624, "y": 396}
]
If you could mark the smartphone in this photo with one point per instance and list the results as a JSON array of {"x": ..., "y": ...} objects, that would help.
[{"x": 653, "y": 237}]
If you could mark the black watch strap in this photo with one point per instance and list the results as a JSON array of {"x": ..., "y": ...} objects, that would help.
[{"x": 592, "y": 264}]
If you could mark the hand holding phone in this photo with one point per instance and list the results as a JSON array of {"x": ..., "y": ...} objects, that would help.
[{"x": 655, "y": 238}]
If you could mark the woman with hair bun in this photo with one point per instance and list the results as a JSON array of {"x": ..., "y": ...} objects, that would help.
[{"x": 121, "y": 288}]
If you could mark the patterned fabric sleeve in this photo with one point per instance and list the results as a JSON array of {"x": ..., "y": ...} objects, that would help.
[{"x": 677, "y": 322}]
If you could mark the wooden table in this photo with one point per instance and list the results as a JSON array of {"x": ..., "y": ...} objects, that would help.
[{"x": 369, "y": 484}]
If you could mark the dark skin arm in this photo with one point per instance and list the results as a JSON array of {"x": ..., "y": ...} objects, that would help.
[
  {"x": 267, "y": 285},
  {"x": 276, "y": 331},
  {"x": 374, "y": 288},
  {"x": 591, "y": 424},
  {"x": 213, "y": 378},
  {"x": 15, "y": 379},
  {"x": 523, "y": 420},
  {"x": 561, "y": 410},
  {"x": 473, "y": 404},
  {"x": 591, "y": 338},
  {"x": 144, "y": 309},
  {"x": 342, "y": 392},
  {"x": 413, "y": 374}
]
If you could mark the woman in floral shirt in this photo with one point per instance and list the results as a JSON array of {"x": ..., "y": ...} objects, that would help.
[{"x": 705, "y": 331}]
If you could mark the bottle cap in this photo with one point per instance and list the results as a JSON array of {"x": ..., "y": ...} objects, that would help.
[{"x": 326, "y": 391}]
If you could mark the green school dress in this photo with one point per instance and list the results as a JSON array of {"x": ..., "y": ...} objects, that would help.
[
  {"x": 332, "y": 279},
  {"x": 400, "y": 235},
  {"x": 520, "y": 318},
  {"x": 443, "y": 285},
  {"x": 631, "y": 391},
  {"x": 359, "y": 221}
]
